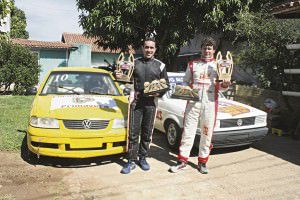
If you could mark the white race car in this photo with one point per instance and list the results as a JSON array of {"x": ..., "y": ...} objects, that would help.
[{"x": 237, "y": 124}]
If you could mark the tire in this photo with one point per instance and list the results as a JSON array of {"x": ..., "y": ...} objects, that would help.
[
  {"x": 26, "y": 154},
  {"x": 173, "y": 134}
]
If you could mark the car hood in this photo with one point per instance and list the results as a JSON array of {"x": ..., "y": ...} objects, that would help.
[
  {"x": 227, "y": 109},
  {"x": 80, "y": 106},
  {"x": 233, "y": 109}
]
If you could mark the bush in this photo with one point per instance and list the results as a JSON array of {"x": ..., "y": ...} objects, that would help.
[{"x": 18, "y": 66}]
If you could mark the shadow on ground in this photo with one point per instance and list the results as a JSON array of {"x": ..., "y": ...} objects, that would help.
[
  {"x": 32, "y": 159},
  {"x": 160, "y": 151},
  {"x": 284, "y": 147}
]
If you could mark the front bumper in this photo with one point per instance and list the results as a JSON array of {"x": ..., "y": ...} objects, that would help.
[
  {"x": 235, "y": 138},
  {"x": 76, "y": 147}
]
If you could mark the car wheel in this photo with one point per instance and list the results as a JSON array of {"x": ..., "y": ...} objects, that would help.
[
  {"x": 173, "y": 134},
  {"x": 26, "y": 154}
]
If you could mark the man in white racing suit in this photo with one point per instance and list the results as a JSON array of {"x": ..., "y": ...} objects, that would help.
[{"x": 202, "y": 75}]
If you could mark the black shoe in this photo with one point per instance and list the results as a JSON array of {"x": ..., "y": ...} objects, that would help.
[
  {"x": 180, "y": 166},
  {"x": 202, "y": 168},
  {"x": 130, "y": 165},
  {"x": 144, "y": 164}
]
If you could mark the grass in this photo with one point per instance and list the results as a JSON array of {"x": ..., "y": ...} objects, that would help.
[{"x": 14, "y": 118}]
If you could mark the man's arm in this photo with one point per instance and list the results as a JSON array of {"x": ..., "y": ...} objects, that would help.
[
  {"x": 164, "y": 75},
  {"x": 188, "y": 74}
]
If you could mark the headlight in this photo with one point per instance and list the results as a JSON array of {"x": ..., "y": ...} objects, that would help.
[
  {"x": 119, "y": 123},
  {"x": 43, "y": 122},
  {"x": 261, "y": 119}
]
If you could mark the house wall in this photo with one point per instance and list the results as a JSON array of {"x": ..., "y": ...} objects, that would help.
[
  {"x": 98, "y": 59},
  {"x": 48, "y": 59},
  {"x": 81, "y": 57}
]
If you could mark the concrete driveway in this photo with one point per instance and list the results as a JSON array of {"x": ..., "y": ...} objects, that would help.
[{"x": 269, "y": 169}]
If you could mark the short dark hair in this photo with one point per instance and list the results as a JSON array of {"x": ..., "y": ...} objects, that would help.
[
  {"x": 208, "y": 41},
  {"x": 152, "y": 39}
]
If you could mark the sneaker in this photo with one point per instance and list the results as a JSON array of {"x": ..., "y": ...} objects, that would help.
[
  {"x": 202, "y": 168},
  {"x": 144, "y": 164},
  {"x": 130, "y": 165},
  {"x": 178, "y": 167}
]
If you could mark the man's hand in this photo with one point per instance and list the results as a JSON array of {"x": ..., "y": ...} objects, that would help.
[
  {"x": 226, "y": 83},
  {"x": 118, "y": 74}
]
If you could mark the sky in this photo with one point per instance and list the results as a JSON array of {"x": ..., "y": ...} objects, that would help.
[{"x": 48, "y": 19}]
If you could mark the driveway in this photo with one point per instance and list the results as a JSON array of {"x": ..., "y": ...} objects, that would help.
[{"x": 269, "y": 169}]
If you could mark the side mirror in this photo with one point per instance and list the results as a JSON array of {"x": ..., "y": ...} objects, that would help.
[{"x": 126, "y": 91}]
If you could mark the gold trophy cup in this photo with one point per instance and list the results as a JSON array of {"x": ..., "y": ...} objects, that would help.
[
  {"x": 125, "y": 68},
  {"x": 224, "y": 66}
]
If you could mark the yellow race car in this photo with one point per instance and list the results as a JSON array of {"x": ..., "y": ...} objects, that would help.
[{"x": 78, "y": 113}]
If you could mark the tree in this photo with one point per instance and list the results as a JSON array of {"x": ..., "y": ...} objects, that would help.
[
  {"x": 119, "y": 23},
  {"x": 5, "y": 8},
  {"x": 265, "y": 47},
  {"x": 18, "y": 66},
  {"x": 18, "y": 20},
  {"x": 18, "y": 24}
]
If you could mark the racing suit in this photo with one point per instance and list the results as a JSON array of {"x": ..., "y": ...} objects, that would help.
[
  {"x": 143, "y": 108},
  {"x": 201, "y": 75}
]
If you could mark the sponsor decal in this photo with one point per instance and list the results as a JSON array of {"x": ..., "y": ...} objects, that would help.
[
  {"x": 176, "y": 79},
  {"x": 59, "y": 102},
  {"x": 232, "y": 109}
]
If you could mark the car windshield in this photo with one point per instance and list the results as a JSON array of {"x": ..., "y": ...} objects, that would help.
[
  {"x": 78, "y": 83},
  {"x": 177, "y": 79}
]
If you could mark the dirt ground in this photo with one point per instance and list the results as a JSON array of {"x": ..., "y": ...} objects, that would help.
[{"x": 269, "y": 169}]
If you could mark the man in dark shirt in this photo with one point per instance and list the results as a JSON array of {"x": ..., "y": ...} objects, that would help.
[{"x": 143, "y": 106}]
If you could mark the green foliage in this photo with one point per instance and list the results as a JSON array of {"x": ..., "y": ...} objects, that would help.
[
  {"x": 18, "y": 66},
  {"x": 5, "y": 8},
  {"x": 18, "y": 24},
  {"x": 18, "y": 20},
  {"x": 14, "y": 120},
  {"x": 119, "y": 23},
  {"x": 265, "y": 50}
]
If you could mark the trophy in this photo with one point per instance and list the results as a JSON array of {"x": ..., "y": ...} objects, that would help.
[
  {"x": 186, "y": 93},
  {"x": 125, "y": 68},
  {"x": 224, "y": 67},
  {"x": 156, "y": 86}
]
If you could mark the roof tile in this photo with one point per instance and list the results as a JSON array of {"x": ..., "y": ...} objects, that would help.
[
  {"x": 41, "y": 44},
  {"x": 75, "y": 38}
]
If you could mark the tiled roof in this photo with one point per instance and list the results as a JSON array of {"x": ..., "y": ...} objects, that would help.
[
  {"x": 41, "y": 44},
  {"x": 67, "y": 41},
  {"x": 287, "y": 8},
  {"x": 75, "y": 38}
]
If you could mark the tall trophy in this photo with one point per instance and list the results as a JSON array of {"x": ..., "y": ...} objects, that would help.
[
  {"x": 125, "y": 68},
  {"x": 224, "y": 66}
]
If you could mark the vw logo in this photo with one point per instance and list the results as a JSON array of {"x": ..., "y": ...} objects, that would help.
[
  {"x": 239, "y": 122},
  {"x": 87, "y": 124}
]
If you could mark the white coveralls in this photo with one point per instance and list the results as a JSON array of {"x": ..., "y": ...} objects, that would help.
[{"x": 200, "y": 74}]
